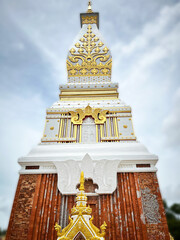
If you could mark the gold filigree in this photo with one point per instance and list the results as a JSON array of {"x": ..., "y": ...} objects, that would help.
[
  {"x": 79, "y": 223},
  {"x": 101, "y": 233},
  {"x": 90, "y": 58},
  {"x": 98, "y": 114},
  {"x": 89, "y": 19}
]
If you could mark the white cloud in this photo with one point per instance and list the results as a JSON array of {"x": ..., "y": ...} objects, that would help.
[
  {"x": 171, "y": 124},
  {"x": 172, "y": 193}
]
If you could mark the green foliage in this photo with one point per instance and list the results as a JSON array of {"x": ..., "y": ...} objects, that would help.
[
  {"x": 165, "y": 204},
  {"x": 2, "y": 232},
  {"x": 175, "y": 208},
  {"x": 174, "y": 228},
  {"x": 172, "y": 220}
]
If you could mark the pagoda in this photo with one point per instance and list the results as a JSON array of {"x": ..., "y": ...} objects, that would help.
[{"x": 90, "y": 130}]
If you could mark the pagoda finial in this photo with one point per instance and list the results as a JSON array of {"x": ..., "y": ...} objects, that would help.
[
  {"x": 89, "y": 7},
  {"x": 81, "y": 188}
]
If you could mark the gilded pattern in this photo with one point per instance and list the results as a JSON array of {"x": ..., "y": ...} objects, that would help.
[
  {"x": 89, "y": 19},
  {"x": 91, "y": 59},
  {"x": 80, "y": 220},
  {"x": 98, "y": 114}
]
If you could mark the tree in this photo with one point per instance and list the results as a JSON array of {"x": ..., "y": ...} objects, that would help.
[{"x": 172, "y": 219}]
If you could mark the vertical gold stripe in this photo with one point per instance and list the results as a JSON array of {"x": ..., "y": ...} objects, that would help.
[
  {"x": 60, "y": 127},
  {"x": 96, "y": 133},
  {"x": 110, "y": 127},
  {"x": 75, "y": 132},
  {"x": 62, "y": 130},
  {"x": 80, "y": 132},
  {"x": 101, "y": 132},
  {"x": 114, "y": 129},
  {"x": 70, "y": 129},
  {"x": 106, "y": 130},
  {"x": 117, "y": 133},
  {"x": 66, "y": 126}
]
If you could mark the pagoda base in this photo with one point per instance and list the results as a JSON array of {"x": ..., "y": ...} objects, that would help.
[{"x": 134, "y": 211}]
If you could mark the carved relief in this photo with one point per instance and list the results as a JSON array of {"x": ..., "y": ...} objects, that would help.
[
  {"x": 91, "y": 59},
  {"x": 98, "y": 114},
  {"x": 68, "y": 176},
  {"x": 103, "y": 173},
  {"x": 87, "y": 166},
  {"x": 150, "y": 206}
]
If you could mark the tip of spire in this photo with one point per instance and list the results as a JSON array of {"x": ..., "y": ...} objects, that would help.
[
  {"x": 81, "y": 188},
  {"x": 89, "y": 7}
]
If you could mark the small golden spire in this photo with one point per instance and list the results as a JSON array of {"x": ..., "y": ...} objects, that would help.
[
  {"x": 89, "y": 7},
  {"x": 81, "y": 188}
]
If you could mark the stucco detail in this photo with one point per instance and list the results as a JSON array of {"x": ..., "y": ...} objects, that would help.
[{"x": 150, "y": 206}]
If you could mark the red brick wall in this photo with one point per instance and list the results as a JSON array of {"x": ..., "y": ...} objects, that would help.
[
  {"x": 38, "y": 205},
  {"x": 157, "y": 229},
  {"x": 22, "y": 207}
]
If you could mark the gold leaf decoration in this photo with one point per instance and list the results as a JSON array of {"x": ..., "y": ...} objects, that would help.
[
  {"x": 90, "y": 57},
  {"x": 89, "y": 19},
  {"x": 98, "y": 114}
]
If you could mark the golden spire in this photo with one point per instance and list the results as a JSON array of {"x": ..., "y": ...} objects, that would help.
[
  {"x": 89, "y": 7},
  {"x": 81, "y": 188}
]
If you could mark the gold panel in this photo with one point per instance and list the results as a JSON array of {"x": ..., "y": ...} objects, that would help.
[{"x": 89, "y": 19}]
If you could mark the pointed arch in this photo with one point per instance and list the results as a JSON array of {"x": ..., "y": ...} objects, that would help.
[{"x": 79, "y": 236}]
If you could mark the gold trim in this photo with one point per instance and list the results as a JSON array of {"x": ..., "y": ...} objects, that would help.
[
  {"x": 90, "y": 97},
  {"x": 80, "y": 133},
  {"x": 110, "y": 131},
  {"x": 117, "y": 131},
  {"x": 101, "y": 133},
  {"x": 132, "y": 126},
  {"x": 66, "y": 126},
  {"x": 98, "y": 114},
  {"x": 60, "y": 128},
  {"x": 97, "y": 133},
  {"x": 81, "y": 188},
  {"x": 75, "y": 132},
  {"x": 92, "y": 90}
]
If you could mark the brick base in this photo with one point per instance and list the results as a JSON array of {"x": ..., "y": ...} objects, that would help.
[{"x": 134, "y": 211}]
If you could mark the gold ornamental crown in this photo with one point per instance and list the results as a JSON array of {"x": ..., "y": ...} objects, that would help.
[{"x": 89, "y": 56}]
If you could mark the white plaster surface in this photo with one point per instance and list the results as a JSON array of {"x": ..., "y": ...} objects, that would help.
[{"x": 99, "y": 161}]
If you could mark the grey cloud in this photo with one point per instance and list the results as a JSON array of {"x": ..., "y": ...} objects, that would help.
[{"x": 35, "y": 37}]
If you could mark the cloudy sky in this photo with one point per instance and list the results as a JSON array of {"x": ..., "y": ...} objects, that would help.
[{"x": 144, "y": 37}]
